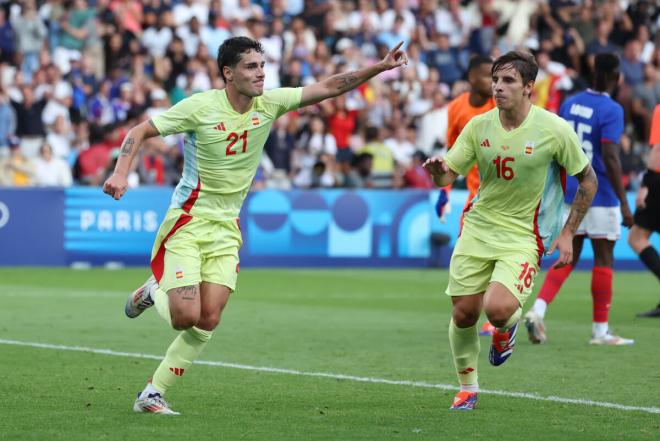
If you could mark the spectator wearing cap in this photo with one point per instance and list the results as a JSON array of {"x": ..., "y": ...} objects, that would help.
[
  {"x": 16, "y": 170},
  {"x": 51, "y": 171}
]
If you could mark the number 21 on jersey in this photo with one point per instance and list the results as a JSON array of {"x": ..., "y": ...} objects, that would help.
[{"x": 233, "y": 138}]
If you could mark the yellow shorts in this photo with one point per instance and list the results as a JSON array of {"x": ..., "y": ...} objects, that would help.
[
  {"x": 475, "y": 264},
  {"x": 189, "y": 250}
]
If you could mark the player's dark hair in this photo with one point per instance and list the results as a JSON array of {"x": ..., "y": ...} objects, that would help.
[
  {"x": 231, "y": 50},
  {"x": 522, "y": 62},
  {"x": 606, "y": 71},
  {"x": 478, "y": 60}
]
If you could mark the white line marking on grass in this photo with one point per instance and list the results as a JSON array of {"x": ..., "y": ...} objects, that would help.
[{"x": 502, "y": 393}]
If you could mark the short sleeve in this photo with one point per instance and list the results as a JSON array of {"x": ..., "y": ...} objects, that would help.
[
  {"x": 569, "y": 153},
  {"x": 182, "y": 117},
  {"x": 462, "y": 156},
  {"x": 282, "y": 100},
  {"x": 612, "y": 124}
]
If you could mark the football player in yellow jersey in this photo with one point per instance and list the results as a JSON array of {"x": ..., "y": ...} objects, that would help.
[
  {"x": 523, "y": 153},
  {"x": 195, "y": 255}
]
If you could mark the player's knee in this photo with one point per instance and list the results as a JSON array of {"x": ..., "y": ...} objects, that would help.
[
  {"x": 208, "y": 322},
  {"x": 636, "y": 240},
  {"x": 465, "y": 318},
  {"x": 184, "y": 321},
  {"x": 498, "y": 315}
]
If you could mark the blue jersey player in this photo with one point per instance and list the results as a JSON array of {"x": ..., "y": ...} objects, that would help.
[{"x": 598, "y": 121}]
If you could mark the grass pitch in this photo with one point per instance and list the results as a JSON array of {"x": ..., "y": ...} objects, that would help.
[{"x": 363, "y": 355}]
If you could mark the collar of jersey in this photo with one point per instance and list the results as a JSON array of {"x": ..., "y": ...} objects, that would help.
[
  {"x": 225, "y": 100},
  {"x": 595, "y": 92},
  {"x": 498, "y": 122}
]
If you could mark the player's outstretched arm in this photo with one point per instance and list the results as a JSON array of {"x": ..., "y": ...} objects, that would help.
[
  {"x": 613, "y": 168},
  {"x": 342, "y": 83},
  {"x": 441, "y": 174},
  {"x": 581, "y": 203},
  {"x": 117, "y": 184}
]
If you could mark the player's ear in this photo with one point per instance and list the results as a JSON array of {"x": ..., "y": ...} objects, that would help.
[
  {"x": 226, "y": 70},
  {"x": 529, "y": 88}
]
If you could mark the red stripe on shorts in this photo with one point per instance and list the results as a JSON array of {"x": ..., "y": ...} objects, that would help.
[{"x": 158, "y": 262}]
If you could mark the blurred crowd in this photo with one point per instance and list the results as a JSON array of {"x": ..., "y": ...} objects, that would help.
[{"x": 75, "y": 75}]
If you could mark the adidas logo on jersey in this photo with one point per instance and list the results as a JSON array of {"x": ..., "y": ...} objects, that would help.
[
  {"x": 485, "y": 143},
  {"x": 220, "y": 127}
]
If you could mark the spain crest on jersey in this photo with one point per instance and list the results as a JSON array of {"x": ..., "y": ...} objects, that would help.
[
  {"x": 529, "y": 147},
  {"x": 255, "y": 119}
]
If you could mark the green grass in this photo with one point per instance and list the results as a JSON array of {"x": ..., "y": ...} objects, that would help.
[{"x": 389, "y": 324}]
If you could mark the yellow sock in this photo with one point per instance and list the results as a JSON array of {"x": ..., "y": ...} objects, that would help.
[
  {"x": 465, "y": 347},
  {"x": 512, "y": 320},
  {"x": 180, "y": 355},
  {"x": 162, "y": 303}
]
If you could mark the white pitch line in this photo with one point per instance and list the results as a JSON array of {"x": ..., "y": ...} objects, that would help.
[{"x": 502, "y": 393}]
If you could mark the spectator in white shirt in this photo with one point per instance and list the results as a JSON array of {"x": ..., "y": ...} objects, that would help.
[
  {"x": 188, "y": 9},
  {"x": 60, "y": 138},
  {"x": 50, "y": 171}
]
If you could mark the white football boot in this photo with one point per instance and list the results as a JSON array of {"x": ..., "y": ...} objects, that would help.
[{"x": 141, "y": 298}]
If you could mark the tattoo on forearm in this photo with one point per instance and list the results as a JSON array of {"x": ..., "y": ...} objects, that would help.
[
  {"x": 582, "y": 202},
  {"x": 187, "y": 292},
  {"x": 127, "y": 147},
  {"x": 347, "y": 81}
]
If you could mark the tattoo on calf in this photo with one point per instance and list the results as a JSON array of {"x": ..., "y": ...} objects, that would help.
[
  {"x": 187, "y": 292},
  {"x": 127, "y": 147}
]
